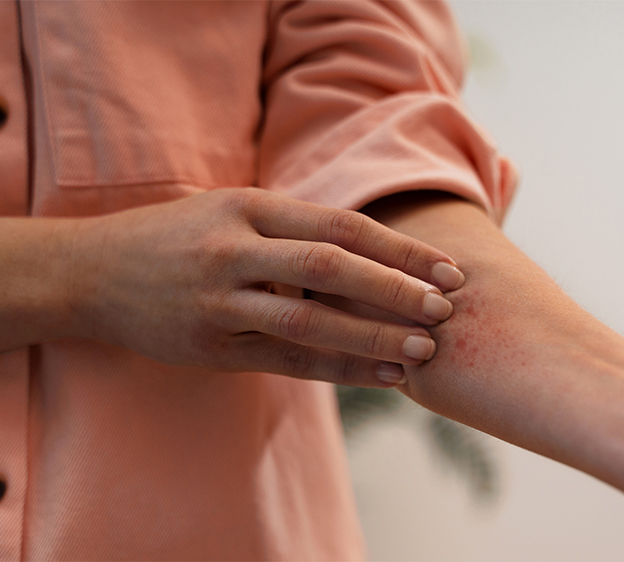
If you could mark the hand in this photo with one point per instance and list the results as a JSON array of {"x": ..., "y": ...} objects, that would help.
[{"x": 192, "y": 282}]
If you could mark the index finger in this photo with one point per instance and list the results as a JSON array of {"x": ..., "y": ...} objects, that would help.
[{"x": 281, "y": 216}]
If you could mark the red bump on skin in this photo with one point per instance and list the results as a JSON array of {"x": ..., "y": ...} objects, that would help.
[
  {"x": 471, "y": 353},
  {"x": 465, "y": 350}
]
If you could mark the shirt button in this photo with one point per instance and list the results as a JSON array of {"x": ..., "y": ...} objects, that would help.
[
  {"x": 4, "y": 113},
  {"x": 3, "y": 487}
]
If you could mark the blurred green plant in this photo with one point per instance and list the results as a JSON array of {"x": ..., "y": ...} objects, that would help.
[
  {"x": 358, "y": 405},
  {"x": 462, "y": 449},
  {"x": 486, "y": 63},
  {"x": 482, "y": 54}
]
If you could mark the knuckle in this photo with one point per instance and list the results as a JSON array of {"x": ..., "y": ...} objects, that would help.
[
  {"x": 240, "y": 200},
  {"x": 211, "y": 348},
  {"x": 347, "y": 371},
  {"x": 297, "y": 360},
  {"x": 320, "y": 264},
  {"x": 394, "y": 294},
  {"x": 295, "y": 324},
  {"x": 221, "y": 255},
  {"x": 346, "y": 227},
  {"x": 375, "y": 341},
  {"x": 411, "y": 252}
]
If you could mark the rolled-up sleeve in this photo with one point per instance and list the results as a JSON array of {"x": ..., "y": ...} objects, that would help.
[{"x": 362, "y": 101}]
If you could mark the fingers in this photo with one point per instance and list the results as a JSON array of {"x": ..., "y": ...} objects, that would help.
[
  {"x": 311, "y": 324},
  {"x": 254, "y": 351},
  {"x": 280, "y": 216},
  {"x": 330, "y": 269}
]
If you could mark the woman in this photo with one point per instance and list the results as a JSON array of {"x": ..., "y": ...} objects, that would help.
[{"x": 148, "y": 278}]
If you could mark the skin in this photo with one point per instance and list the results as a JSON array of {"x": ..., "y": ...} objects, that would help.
[
  {"x": 210, "y": 279},
  {"x": 215, "y": 280},
  {"x": 518, "y": 359}
]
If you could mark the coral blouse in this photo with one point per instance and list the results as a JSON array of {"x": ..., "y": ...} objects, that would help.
[{"x": 108, "y": 455}]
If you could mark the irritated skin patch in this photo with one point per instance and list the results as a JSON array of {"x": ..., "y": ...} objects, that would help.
[{"x": 475, "y": 345}]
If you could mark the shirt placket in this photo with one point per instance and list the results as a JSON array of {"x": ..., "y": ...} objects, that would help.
[{"x": 14, "y": 366}]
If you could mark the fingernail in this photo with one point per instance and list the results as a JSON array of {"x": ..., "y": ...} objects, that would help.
[
  {"x": 436, "y": 307},
  {"x": 447, "y": 275},
  {"x": 419, "y": 347},
  {"x": 391, "y": 373}
]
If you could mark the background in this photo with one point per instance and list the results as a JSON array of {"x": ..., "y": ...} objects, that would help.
[{"x": 547, "y": 81}]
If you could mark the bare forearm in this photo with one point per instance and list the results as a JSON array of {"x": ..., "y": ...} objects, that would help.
[
  {"x": 35, "y": 274},
  {"x": 519, "y": 359}
]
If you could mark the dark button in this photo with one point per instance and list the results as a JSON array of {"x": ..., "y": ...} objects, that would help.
[
  {"x": 4, "y": 113},
  {"x": 3, "y": 487}
]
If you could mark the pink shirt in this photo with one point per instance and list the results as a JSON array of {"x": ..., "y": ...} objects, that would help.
[{"x": 109, "y": 455}]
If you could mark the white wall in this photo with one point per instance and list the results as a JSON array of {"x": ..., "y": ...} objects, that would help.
[{"x": 548, "y": 83}]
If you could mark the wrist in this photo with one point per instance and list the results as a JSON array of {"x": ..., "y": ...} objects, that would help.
[
  {"x": 36, "y": 262},
  {"x": 88, "y": 241},
  {"x": 58, "y": 313}
]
